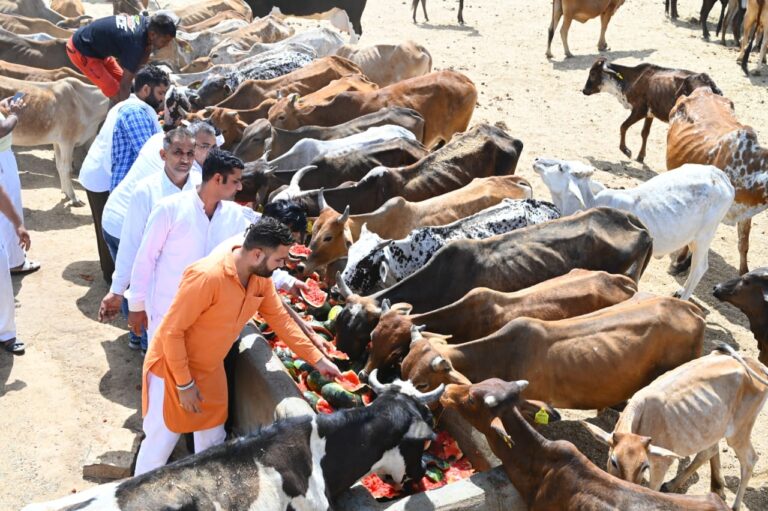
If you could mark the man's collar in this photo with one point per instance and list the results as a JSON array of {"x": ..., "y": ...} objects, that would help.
[{"x": 229, "y": 262}]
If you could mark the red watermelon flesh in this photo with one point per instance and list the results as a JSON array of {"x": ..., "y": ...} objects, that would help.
[
  {"x": 299, "y": 251},
  {"x": 349, "y": 381},
  {"x": 314, "y": 296}
]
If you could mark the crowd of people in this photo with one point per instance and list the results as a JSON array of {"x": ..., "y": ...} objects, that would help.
[{"x": 186, "y": 264}]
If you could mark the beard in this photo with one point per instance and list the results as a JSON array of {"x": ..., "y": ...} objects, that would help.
[
  {"x": 152, "y": 101},
  {"x": 261, "y": 270}
]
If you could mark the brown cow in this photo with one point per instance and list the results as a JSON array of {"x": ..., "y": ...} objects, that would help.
[
  {"x": 445, "y": 99},
  {"x": 205, "y": 9},
  {"x": 755, "y": 19},
  {"x": 214, "y": 21},
  {"x": 579, "y": 362},
  {"x": 132, "y": 7},
  {"x": 332, "y": 237},
  {"x": 647, "y": 90},
  {"x": 749, "y": 293},
  {"x": 385, "y": 64},
  {"x": 38, "y": 9},
  {"x": 553, "y": 475},
  {"x": 35, "y": 74},
  {"x": 482, "y": 311},
  {"x": 68, "y": 8},
  {"x": 21, "y": 25},
  {"x": 703, "y": 129},
  {"x": 43, "y": 54},
  {"x": 581, "y": 11}
]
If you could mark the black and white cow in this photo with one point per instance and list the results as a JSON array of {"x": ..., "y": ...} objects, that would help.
[
  {"x": 344, "y": 14},
  {"x": 299, "y": 464},
  {"x": 379, "y": 263}
]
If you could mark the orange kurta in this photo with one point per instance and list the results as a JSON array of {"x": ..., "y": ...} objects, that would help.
[{"x": 208, "y": 312}]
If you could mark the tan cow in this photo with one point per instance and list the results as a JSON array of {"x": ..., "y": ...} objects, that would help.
[
  {"x": 445, "y": 99},
  {"x": 22, "y": 25},
  {"x": 35, "y": 74},
  {"x": 196, "y": 12},
  {"x": 553, "y": 475},
  {"x": 755, "y": 20},
  {"x": 65, "y": 113},
  {"x": 686, "y": 412},
  {"x": 385, "y": 64},
  {"x": 68, "y": 8},
  {"x": 128, "y": 6},
  {"x": 39, "y": 9},
  {"x": 482, "y": 311},
  {"x": 581, "y": 11},
  {"x": 50, "y": 54},
  {"x": 332, "y": 237},
  {"x": 588, "y": 362},
  {"x": 703, "y": 129}
]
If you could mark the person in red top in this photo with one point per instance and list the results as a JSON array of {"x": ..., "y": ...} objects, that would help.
[{"x": 110, "y": 50}]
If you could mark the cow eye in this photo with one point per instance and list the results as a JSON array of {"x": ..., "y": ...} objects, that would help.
[
  {"x": 328, "y": 238},
  {"x": 421, "y": 386},
  {"x": 614, "y": 462}
]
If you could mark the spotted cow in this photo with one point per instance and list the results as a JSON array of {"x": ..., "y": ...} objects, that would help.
[{"x": 387, "y": 262}]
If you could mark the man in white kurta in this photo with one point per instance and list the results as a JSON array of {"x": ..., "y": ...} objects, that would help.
[
  {"x": 8, "y": 339},
  {"x": 182, "y": 229}
]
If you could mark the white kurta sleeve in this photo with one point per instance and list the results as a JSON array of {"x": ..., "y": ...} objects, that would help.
[
  {"x": 134, "y": 223},
  {"x": 155, "y": 234},
  {"x": 283, "y": 279}
]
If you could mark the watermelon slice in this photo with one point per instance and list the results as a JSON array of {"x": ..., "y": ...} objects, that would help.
[
  {"x": 378, "y": 488},
  {"x": 349, "y": 381},
  {"x": 314, "y": 296},
  {"x": 445, "y": 447},
  {"x": 323, "y": 406},
  {"x": 336, "y": 354},
  {"x": 298, "y": 251}
]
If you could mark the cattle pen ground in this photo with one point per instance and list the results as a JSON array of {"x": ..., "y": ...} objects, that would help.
[{"x": 78, "y": 384}]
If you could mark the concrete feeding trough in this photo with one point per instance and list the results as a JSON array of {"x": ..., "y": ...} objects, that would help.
[{"x": 264, "y": 392}]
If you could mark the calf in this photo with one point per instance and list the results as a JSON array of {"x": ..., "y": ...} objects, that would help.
[
  {"x": 685, "y": 412},
  {"x": 390, "y": 261},
  {"x": 598, "y": 239},
  {"x": 482, "y": 311},
  {"x": 680, "y": 209},
  {"x": 703, "y": 129},
  {"x": 415, "y": 5},
  {"x": 749, "y": 293},
  {"x": 284, "y": 140},
  {"x": 553, "y": 475},
  {"x": 581, "y": 11},
  {"x": 333, "y": 233},
  {"x": 344, "y": 14},
  {"x": 297, "y": 463},
  {"x": 599, "y": 359},
  {"x": 445, "y": 99},
  {"x": 647, "y": 90},
  {"x": 385, "y": 64}
]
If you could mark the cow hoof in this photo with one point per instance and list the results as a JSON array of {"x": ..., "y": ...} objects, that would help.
[
  {"x": 664, "y": 488},
  {"x": 604, "y": 48},
  {"x": 75, "y": 203},
  {"x": 626, "y": 152},
  {"x": 569, "y": 55},
  {"x": 549, "y": 55},
  {"x": 678, "y": 293},
  {"x": 641, "y": 159}
]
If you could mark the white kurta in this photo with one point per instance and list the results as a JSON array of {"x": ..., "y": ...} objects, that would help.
[
  {"x": 148, "y": 192},
  {"x": 9, "y": 180},
  {"x": 177, "y": 234},
  {"x": 7, "y": 306}
]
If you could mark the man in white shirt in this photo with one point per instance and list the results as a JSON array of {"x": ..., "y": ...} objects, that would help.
[{"x": 182, "y": 229}]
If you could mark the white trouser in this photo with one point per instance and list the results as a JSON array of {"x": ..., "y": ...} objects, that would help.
[
  {"x": 7, "y": 322},
  {"x": 160, "y": 441},
  {"x": 9, "y": 180}
]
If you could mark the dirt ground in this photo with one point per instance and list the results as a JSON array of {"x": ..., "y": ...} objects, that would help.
[{"x": 78, "y": 383}]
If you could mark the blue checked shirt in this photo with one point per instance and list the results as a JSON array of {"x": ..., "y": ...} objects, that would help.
[{"x": 132, "y": 129}]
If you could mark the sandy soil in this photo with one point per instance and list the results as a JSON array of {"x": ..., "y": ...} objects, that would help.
[{"x": 79, "y": 383}]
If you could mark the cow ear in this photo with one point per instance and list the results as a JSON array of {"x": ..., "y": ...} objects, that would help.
[
  {"x": 598, "y": 432},
  {"x": 765, "y": 294},
  {"x": 419, "y": 431},
  {"x": 655, "y": 450},
  {"x": 385, "y": 305},
  {"x": 574, "y": 189},
  {"x": 440, "y": 365},
  {"x": 403, "y": 308}
]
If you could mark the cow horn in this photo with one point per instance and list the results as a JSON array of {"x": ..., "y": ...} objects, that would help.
[
  {"x": 385, "y": 306},
  {"x": 321, "y": 205},
  {"x": 343, "y": 288},
  {"x": 344, "y": 216},
  {"x": 433, "y": 395},
  {"x": 416, "y": 333},
  {"x": 521, "y": 384},
  {"x": 293, "y": 99},
  {"x": 377, "y": 387},
  {"x": 298, "y": 175},
  {"x": 610, "y": 71}
]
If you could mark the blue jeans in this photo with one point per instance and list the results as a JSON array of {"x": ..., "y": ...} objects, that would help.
[{"x": 112, "y": 244}]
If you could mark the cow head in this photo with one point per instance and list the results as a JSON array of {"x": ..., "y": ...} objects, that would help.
[
  {"x": 331, "y": 238},
  {"x": 176, "y": 105},
  {"x": 356, "y": 321},
  {"x": 426, "y": 366},
  {"x": 390, "y": 338},
  {"x": 599, "y": 74},
  {"x": 363, "y": 262},
  {"x": 213, "y": 90},
  {"x": 230, "y": 125},
  {"x": 629, "y": 455},
  {"x": 283, "y": 114},
  {"x": 693, "y": 82},
  {"x": 254, "y": 183},
  {"x": 563, "y": 178},
  {"x": 198, "y": 65},
  {"x": 480, "y": 403},
  {"x": 749, "y": 293},
  {"x": 255, "y": 141}
]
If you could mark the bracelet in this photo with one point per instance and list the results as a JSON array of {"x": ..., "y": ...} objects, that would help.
[{"x": 187, "y": 386}]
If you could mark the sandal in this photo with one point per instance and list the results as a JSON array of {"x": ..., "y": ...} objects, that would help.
[
  {"x": 14, "y": 346},
  {"x": 28, "y": 267}
]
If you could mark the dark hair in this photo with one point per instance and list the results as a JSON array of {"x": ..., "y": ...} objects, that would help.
[
  {"x": 267, "y": 233},
  {"x": 289, "y": 213},
  {"x": 176, "y": 134},
  {"x": 220, "y": 162},
  {"x": 162, "y": 24},
  {"x": 152, "y": 76}
]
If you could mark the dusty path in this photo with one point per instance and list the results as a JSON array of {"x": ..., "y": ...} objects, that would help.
[{"x": 78, "y": 382}]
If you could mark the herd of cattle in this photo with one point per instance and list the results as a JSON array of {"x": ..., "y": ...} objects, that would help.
[{"x": 453, "y": 275}]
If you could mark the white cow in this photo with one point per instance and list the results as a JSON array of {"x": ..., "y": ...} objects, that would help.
[
  {"x": 308, "y": 149},
  {"x": 385, "y": 64},
  {"x": 686, "y": 412},
  {"x": 680, "y": 208},
  {"x": 325, "y": 42}
]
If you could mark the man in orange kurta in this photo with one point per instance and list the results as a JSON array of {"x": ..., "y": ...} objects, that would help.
[{"x": 185, "y": 386}]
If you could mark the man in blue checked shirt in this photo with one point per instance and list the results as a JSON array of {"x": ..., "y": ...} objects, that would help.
[{"x": 137, "y": 120}]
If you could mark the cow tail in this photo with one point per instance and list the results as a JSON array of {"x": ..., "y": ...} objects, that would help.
[
  {"x": 725, "y": 348},
  {"x": 414, "y": 5},
  {"x": 552, "y": 27}
]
